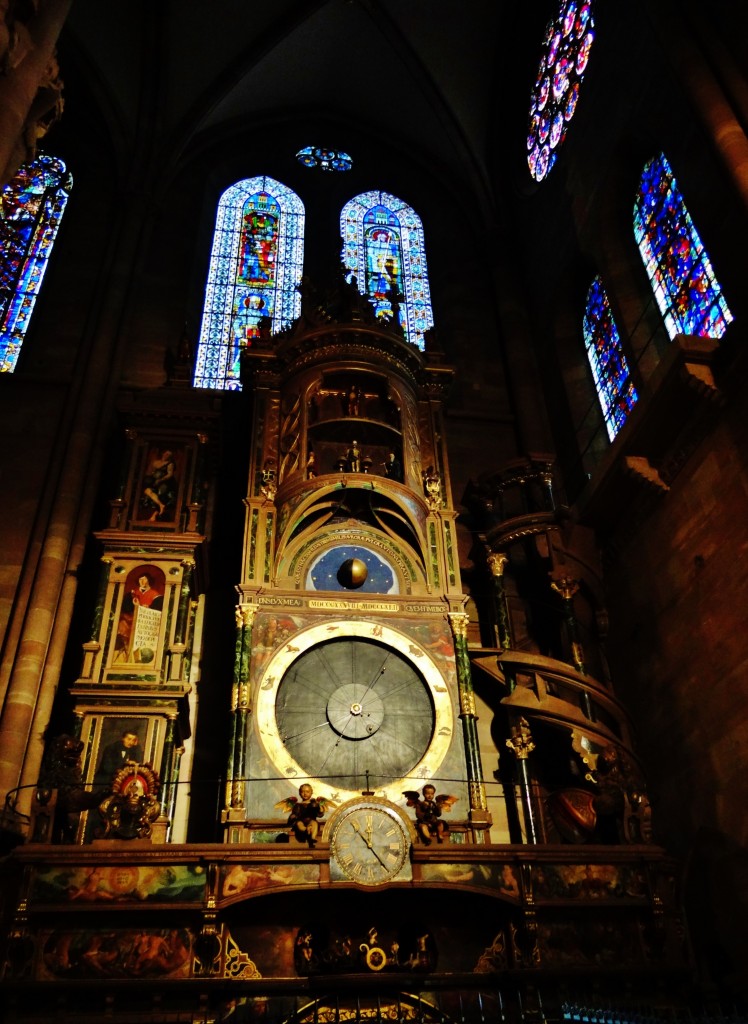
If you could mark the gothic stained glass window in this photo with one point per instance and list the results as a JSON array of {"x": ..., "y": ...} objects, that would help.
[
  {"x": 383, "y": 247},
  {"x": 687, "y": 292},
  {"x": 31, "y": 207},
  {"x": 255, "y": 268},
  {"x": 615, "y": 388},
  {"x": 566, "y": 51}
]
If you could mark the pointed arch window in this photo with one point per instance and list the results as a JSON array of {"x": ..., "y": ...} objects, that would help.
[
  {"x": 615, "y": 388},
  {"x": 31, "y": 207},
  {"x": 685, "y": 286},
  {"x": 255, "y": 267},
  {"x": 383, "y": 248}
]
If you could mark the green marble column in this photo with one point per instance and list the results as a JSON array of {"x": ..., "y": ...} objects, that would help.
[
  {"x": 478, "y": 807},
  {"x": 245, "y": 614},
  {"x": 497, "y": 562},
  {"x": 566, "y": 588},
  {"x": 521, "y": 744},
  {"x": 169, "y": 771}
]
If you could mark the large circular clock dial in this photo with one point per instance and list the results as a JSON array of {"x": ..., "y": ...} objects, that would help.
[{"x": 353, "y": 706}]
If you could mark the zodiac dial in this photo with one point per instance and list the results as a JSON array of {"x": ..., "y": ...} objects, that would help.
[{"x": 354, "y": 713}]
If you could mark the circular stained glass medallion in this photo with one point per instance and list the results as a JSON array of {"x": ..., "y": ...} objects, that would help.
[{"x": 566, "y": 50}]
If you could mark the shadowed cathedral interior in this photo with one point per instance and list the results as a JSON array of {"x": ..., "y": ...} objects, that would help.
[{"x": 375, "y": 505}]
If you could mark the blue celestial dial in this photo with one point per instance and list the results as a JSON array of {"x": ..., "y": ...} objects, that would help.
[{"x": 352, "y": 567}]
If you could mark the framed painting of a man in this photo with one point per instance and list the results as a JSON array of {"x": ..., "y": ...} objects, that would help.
[{"x": 139, "y": 624}]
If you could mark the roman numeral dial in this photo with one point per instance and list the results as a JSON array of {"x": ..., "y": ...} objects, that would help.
[{"x": 369, "y": 843}]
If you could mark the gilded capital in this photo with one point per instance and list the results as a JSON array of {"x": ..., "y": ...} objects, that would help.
[
  {"x": 459, "y": 622},
  {"x": 497, "y": 562},
  {"x": 566, "y": 587},
  {"x": 520, "y": 742},
  {"x": 245, "y": 615}
]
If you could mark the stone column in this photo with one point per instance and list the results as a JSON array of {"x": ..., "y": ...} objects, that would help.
[
  {"x": 712, "y": 107},
  {"x": 476, "y": 787}
]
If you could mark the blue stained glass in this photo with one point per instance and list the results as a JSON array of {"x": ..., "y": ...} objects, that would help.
[
  {"x": 324, "y": 159},
  {"x": 684, "y": 284},
  {"x": 31, "y": 207},
  {"x": 615, "y": 389},
  {"x": 255, "y": 267},
  {"x": 383, "y": 248},
  {"x": 566, "y": 52}
]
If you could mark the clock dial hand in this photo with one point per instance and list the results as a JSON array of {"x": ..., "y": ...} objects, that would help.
[{"x": 363, "y": 838}]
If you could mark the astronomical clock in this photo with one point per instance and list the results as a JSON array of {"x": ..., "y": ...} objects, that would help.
[{"x": 351, "y": 671}]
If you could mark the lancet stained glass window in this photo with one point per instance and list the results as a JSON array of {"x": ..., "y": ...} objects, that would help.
[
  {"x": 615, "y": 388},
  {"x": 255, "y": 267},
  {"x": 383, "y": 248},
  {"x": 566, "y": 51},
  {"x": 31, "y": 207},
  {"x": 684, "y": 284}
]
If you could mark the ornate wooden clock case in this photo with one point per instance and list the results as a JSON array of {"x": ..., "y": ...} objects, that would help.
[{"x": 351, "y": 668}]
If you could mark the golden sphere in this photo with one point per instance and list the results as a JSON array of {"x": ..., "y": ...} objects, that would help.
[{"x": 352, "y": 574}]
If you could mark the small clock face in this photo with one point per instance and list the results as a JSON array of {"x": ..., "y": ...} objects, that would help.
[{"x": 369, "y": 844}]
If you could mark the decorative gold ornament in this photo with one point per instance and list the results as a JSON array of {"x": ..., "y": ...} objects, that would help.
[
  {"x": 566, "y": 587},
  {"x": 245, "y": 615},
  {"x": 497, "y": 562},
  {"x": 404, "y": 648},
  {"x": 459, "y": 621},
  {"x": 521, "y": 742}
]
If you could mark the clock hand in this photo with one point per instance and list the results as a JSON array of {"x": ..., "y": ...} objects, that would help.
[{"x": 368, "y": 843}]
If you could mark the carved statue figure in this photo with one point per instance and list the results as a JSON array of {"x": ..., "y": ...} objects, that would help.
[
  {"x": 429, "y": 824},
  {"x": 304, "y": 813},
  {"x": 353, "y": 456},
  {"x": 352, "y": 401},
  {"x": 268, "y": 477},
  {"x": 616, "y": 810},
  {"x": 311, "y": 466},
  {"x": 432, "y": 488},
  {"x": 61, "y": 777},
  {"x": 393, "y": 467}
]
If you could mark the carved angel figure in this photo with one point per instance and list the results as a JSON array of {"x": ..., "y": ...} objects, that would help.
[
  {"x": 304, "y": 813},
  {"x": 429, "y": 824}
]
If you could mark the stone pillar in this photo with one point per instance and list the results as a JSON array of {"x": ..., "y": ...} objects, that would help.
[
  {"x": 700, "y": 84},
  {"x": 478, "y": 807}
]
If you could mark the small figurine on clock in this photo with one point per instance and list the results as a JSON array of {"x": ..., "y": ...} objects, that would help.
[
  {"x": 429, "y": 824},
  {"x": 305, "y": 814}
]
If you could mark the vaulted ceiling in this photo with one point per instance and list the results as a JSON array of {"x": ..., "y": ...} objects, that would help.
[{"x": 433, "y": 83}]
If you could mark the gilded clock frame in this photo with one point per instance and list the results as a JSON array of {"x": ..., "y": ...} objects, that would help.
[{"x": 406, "y": 647}]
